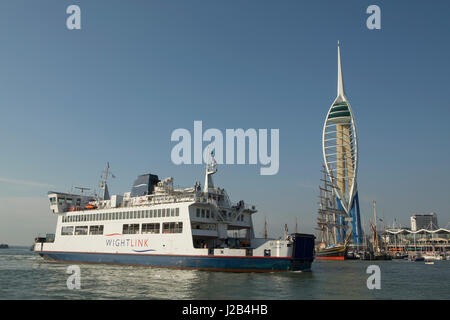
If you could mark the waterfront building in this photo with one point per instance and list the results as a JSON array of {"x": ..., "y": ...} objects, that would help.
[
  {"x": 424, "y": 221},
  {"x": 417, "y": 240}
]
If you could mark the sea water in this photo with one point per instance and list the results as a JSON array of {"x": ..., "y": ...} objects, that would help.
[{"x": 25, "y": 275}]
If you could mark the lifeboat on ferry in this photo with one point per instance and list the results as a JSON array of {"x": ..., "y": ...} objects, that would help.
[{"x": 90, "y": 207}]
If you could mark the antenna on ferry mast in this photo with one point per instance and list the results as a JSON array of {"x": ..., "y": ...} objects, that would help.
[
  {"x": 82, "y": 189},
  {"x": 103, "y": 185}
]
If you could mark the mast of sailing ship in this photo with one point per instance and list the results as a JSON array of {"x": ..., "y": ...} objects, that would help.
[
  {"x": 384, "y": 235},
  {"x": 265, "y": 228},
  {"x": 374, "y": 227}
]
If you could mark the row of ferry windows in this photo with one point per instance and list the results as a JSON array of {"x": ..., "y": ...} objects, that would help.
[
  {"x": 205, "y": 213},
  {"x": 155, "y": 213},
  {"x": 136, "y": 228},
  {"x": 62, "y": 201}
]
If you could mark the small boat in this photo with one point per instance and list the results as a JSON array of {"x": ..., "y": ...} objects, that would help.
[
  {"x": 429, "y": 262},
  {"x": 382, "y": 256},
  {"x": 432, "y": 256},
  {"x": 417, "y": 258},
  {"x": 332, "y": 253},
  {"x": 375, "y": 256},
  {"x": 399, "y": 256},
  {"x": 365, "y": 255}
]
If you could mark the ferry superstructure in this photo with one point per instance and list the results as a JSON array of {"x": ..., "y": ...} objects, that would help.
[{"x": 160, "y": 226}]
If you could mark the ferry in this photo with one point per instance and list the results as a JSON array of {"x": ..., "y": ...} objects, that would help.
[{"x": 158, "y": 225}]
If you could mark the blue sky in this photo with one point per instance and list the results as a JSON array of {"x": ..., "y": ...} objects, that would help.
[{"x": 116, "y": 89}]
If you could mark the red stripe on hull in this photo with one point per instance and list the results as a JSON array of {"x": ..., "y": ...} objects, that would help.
[
  {"x": 331, "y": 258},
  {"x": 159, "y": 254}
]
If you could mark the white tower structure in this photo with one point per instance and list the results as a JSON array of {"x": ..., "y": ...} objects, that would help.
[{"x": 340, "y": 153}]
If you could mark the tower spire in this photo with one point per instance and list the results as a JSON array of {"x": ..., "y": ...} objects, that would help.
[{"x": 341, "y": 91}]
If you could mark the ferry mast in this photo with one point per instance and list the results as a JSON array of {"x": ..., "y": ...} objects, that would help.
[
  {"x": 211, "y": 168},
  {"x": 103, "y": 183}
]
